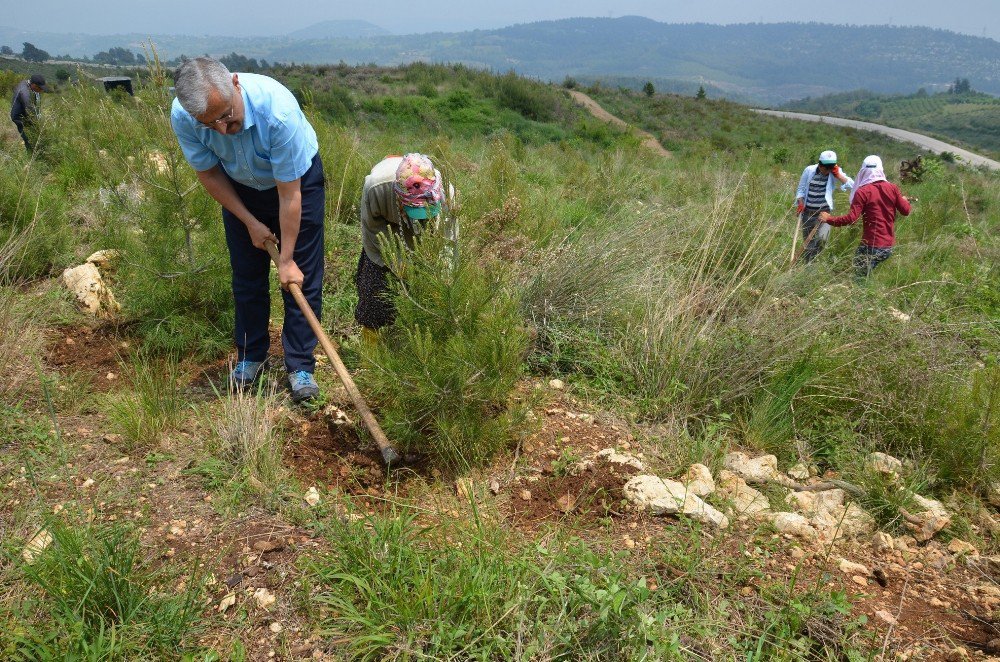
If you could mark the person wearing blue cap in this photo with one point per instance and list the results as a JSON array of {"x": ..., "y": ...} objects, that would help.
[{"x": 814, "y": 196}]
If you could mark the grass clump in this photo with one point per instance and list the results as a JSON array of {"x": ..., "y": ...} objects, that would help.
[
  {"x": 444, "y": 375},
  {"x": 248, "y": 439},
  {"x": 153, "y": 405},
  {"x": 90, "y": 596}
]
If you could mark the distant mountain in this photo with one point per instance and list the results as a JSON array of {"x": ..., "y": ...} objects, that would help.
[
  {"x": 340, "y": 30},
  {"x": 767, "y": 63}
]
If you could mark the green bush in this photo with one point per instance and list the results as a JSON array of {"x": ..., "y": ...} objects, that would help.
[{"x": 444, "y": 376}]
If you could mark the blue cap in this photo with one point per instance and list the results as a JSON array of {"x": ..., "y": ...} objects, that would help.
[{"x": 420, "y": 213}]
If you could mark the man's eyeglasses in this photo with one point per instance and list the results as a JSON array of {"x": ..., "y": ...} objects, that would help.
[{"x": 225, "y": 119}]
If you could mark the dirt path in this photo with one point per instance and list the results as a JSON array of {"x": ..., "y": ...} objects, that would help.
[
  {"x": 595, "y": 109},
  {"x": 918, "y": 139}
]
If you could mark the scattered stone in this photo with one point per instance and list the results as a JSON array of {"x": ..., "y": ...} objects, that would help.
[
  {"x": 264, "y": 598},
  {"x": 799, "y": 472},
  {"x": 566, "y": 503},
  {"x": 882, "y": 541},
  {"x": 859, "y": 580},
  {"x": 628, "y": 542},
  {"x": 104, "y": 259},
  {"x": 36, "y": 546},
  {"x": 885, "y": 464},
  {"x": 899, "y": 315},
  {"x": 312, "y": 496},
  {"x": 745, "y": 499},
  {"x": 957, "y": 654},
  {"x": 993, "y": 647},
  {"x": 275, "y": 627},
  {"x": 932, "y": 518},
  {"x": 698, "y": 480},
  {"x": 557, "y": 384},
  {"x": 668, "y": 497},
  {"x": 92, "y": 294},
  {"x": 793, "y": 524},
  {"x": 87, "y": 484},
  {"x": 525, "y": 495},
  {"x": 797, "y": 552},
  {"x": 234, "y": 581},
  {"x": 957, "y": 546},
  {"x": 611, "y": 456},
  {"x": 852, "y": 568},
  {"x": 904, "y": 543},
  {"x": 761, "y": 468},
  {"x": 886, "y": 617},
  {"x": 227, "y": 602},
  {"x": 268, "y": 546},
  {"x": 495, "y": 486}
]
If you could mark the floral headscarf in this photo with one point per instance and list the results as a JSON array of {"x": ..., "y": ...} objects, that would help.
[{"x": 417, "y": 183}]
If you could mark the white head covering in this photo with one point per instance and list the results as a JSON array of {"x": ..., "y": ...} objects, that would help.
[{"x": 871, "y": 172}]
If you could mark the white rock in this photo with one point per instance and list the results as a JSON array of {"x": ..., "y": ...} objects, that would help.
[
  {"x": 957, "y": 546},
  {"x": 36, "y": 546},
  {"x": 227, "y": 602},
  {"x": 933, "y": 518},
  {"x": 86, "y": 283},
  {"x": 745, "y": 499},
  {"x": 799, "y": 472},
  {"x": 841, "y": 522},
  {"x": 104, "y": 259},
  {"x": 883, "y": 542},
  {"x": 885, "y": 464},
  {"x": 698, "y": 480},
  {"x": 87, "y": 484},
  {"x": 852, "y": 568},
  {"x": 793, "y": 524},
  {"x": 275, "y": 627},
  {"x": 993, "y": 494},
  {"x": 264, "y": 598},
  {"x": 885, "y": 617},
  {"x": 557, "y": 384},
  {"x": 760, "y": 468},
  {"x": 312, "y": 496},
  {"x": 668, "y": 497},
  {"x": 899, "y": 315},
  {"x": 811, "y": 503},
  {"x": 608, "y": 456}
]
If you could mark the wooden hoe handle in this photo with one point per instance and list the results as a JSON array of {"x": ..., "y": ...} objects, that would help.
[{"x": 389, "y": 453}]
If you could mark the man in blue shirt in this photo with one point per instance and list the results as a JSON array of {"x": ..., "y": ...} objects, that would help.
[{"x": 258, "y": 156}]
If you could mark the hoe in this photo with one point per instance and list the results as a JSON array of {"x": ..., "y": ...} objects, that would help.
[{"x": 389, "y": 454}]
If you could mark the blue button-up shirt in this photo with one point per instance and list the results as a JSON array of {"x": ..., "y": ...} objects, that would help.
[{"x": 276, "y": 143}]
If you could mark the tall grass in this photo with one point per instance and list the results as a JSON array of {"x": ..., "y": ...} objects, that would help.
[
  {"x": 153, "y": 405},
  {"x": 249, "y": 440},
  {"x": 91, "y": 595}
]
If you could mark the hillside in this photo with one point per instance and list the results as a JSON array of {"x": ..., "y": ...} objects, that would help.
[
  {"x": 640, "y": 432},
  {"x": 972, "y": 119},
  {"x": 768, "y": 63}
]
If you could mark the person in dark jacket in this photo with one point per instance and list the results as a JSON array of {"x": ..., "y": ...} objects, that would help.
[
  {"x": 24, "y": 109},
  {"x": 876, "y": 200}
]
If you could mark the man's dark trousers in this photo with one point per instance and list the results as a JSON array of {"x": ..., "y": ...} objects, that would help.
[
  {"x": 19, "y": 123},
  {"x": 252, "y": 267}
]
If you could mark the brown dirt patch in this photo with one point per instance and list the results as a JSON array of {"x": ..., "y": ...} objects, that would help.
[
  {"x": 92, "y": 352},
  {"x": 333, "y": 456}
]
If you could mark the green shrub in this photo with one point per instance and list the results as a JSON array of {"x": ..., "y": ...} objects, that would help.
[
  {"x": 153, "y": 405},
  {"x": 443, "y": 379}
]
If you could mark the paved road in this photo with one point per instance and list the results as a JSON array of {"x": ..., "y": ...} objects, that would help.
[{"x": 899, "y": 134}]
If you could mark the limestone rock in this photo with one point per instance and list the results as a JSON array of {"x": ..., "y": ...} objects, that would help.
[
  {"x": 799, "y": 472},
  {"x": 851, "y": 568},
  {"x": 899, "y": 315},
  {"x": 883, "y": 542},
  {"x": 608, "y": 456},
  {"x": 312, "y": 496},
  {"x": 793, "y": 524},
  {"x": 557, "y": 384},
  {"x": 745, "y": 499},
  {"x": 668, "y": 497},
  {"x": 933, "y": 517},
  {"x": 957, "y": 546},
  {"x": 36, "y": 546},
  {"x": 264, "y": 598},
  {"x": 104, "y": 259},
  {"x": 760, "y": 468},
  {"x": 812, "y": 503},
  {"x": 885, "y": 464},
  {"x": 698, "y": 480},
  {"x": 86, "y": 283}
]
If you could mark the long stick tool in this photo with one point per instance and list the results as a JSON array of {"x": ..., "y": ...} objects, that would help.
[{"x": 389, "y": 454}]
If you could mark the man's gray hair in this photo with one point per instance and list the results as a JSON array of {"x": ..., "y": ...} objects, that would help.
[{"x": 196, "y": 78}]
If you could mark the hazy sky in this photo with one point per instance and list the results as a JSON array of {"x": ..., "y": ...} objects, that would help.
[{"x": 260, "y": 17}]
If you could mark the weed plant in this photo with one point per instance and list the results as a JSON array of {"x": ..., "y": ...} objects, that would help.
[
  {"x": 91, "y": 596},
  {"x": 248, "y": 440},
  {"x": 153, "y": 405}
]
